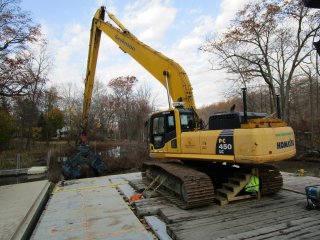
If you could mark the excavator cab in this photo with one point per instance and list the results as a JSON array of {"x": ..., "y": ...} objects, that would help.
[{"x": 167, "y": 125}]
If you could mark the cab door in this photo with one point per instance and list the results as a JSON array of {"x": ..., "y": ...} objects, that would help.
[{"x": 163, "y": 130}]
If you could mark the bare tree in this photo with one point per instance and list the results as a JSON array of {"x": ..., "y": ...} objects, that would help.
[
  {"x": 122, "y": 88},
  {"x": 103, "y": 110},
  {"x": 16, "y": 32},
  {"x": 71, "y": 103},
  {"x": 35, "y": 70},
  {"x": 267, "y": 41},
  {"x": 144, "y": 105}
]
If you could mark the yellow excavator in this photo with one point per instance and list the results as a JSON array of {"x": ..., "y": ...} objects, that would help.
[{"x": 192, "y": 165}]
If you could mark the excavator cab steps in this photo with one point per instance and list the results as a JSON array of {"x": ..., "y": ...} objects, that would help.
[{"x": 232, "y": 190}]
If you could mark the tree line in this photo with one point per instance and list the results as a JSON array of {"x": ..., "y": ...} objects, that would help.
[
  {"x": 267, "y": 49},
  {"x": 24, "y": 67},
  {"x": 31, "y": 110}
]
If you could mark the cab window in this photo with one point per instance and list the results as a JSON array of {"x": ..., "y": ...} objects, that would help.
[
  {"x": 158, "y": 125},
  {"x": 187, "y": 122},
  {"x": 171, "y": 125}
]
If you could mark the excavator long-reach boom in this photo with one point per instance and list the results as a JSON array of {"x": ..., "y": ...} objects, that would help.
[
  {"x": 200, "y": 160},
  {"x": 169, "y": 73}
]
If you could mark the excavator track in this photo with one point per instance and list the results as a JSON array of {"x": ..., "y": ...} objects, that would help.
[
  {"x": 189, "y": 188},
  {"x": 182, "y": 185},
  {"x": 270, "y": 180}
]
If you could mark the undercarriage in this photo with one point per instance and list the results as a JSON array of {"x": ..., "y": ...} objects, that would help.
[{"x": 193, "y": 184}]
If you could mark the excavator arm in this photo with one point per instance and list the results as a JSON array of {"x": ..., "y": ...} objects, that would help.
[
  {"x": 94, "y": 44},
  {"x": 169, "y": 73},
  {"x": 248, "y": 140}
]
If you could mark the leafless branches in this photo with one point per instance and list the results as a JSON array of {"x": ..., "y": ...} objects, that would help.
[{"x": 267, "y": 41}]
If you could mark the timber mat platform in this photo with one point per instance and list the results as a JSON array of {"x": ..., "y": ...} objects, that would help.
[{"x": 99, "y": 208}]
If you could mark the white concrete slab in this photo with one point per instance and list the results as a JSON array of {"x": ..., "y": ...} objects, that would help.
[
  {"x": 125, "y": 189},
  {"x": 89, "y": 208},
  {"x": 127, "y": 176},
  {"x": 37, "y": 170},
  {"x": 158, "y": 226},
  {"x": 20, "y": 207}
]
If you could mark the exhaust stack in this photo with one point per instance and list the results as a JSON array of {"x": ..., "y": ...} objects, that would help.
[
  {"x": 278, "y": 107},
  {"x": 244, "y": 99}
]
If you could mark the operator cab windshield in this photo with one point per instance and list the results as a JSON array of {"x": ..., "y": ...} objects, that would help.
[{"x": 187, "y": 122}]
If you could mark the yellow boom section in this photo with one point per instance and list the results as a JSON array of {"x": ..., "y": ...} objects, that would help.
[
  {"x": 95, "y": 36},
  {"x": 154, "y": 62}
]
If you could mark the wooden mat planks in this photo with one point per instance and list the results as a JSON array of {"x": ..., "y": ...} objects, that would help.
[{"x": 281, "y": 216}]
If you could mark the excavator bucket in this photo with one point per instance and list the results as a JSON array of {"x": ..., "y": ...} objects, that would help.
[{"x": 85, "y": 163}]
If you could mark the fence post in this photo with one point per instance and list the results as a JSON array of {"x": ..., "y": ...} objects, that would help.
[
  {"x": 18, "y": 160},
  {"x": 48, "y": 158}
]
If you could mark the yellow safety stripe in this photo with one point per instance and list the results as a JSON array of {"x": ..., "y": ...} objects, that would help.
[{"x": 114, "y": 185}]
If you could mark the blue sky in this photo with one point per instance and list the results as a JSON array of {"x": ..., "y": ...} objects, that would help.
[{"x": 175, "y": 28}]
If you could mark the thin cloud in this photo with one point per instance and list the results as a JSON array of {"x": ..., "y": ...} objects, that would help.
[
  {"x": 208, "y": 86},
  {"x": 227, "y": 13},
  {"x": 69, "y": 55},
  {"x": 149, "y": 20},
  {"x": 195, "y": 11}
]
